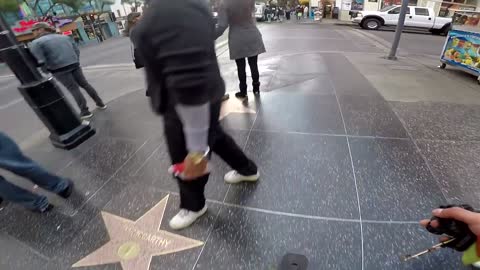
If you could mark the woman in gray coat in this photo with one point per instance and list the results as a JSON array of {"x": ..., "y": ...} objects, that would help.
[{"x": 244, "y": 40}]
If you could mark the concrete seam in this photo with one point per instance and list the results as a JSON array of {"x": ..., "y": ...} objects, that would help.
[
  {"x": 287, "y": 214},
  {"x": 146, "y": 160},
  {"x": 224, "y": 197},
  {"x": 353, "y": 173},
  {"x": 379, "y": 42},
  {"x": 419, "y": 151},
  {"x": 109, "y": 179}
]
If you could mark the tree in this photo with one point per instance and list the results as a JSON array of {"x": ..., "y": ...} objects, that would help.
[
  {"x": 134, "y": 3},
  {"x": 8, "y": 5},
  {"x": 75, "y": 5}
]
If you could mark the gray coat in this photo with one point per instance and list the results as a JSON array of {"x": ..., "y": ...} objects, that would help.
[
  {"x": 55, "y": 51},
  {"x": 244, "y": 38}
]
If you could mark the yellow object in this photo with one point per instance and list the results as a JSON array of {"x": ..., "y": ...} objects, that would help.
[
  {"x": 196, "y": 157},
  {"x": 470, "y": 255},
  {"x": 128, "y": 251}
]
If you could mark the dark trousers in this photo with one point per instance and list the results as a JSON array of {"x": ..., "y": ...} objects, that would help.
[
  {"x": 73, "y": 80},
  {"x": 242, "y": 74},
  {"x": 192, "y": 192},
  {"x": 13, "y": 160}
]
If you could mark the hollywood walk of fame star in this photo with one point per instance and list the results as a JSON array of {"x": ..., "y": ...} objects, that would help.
[
  {"x": 235, "y": 105},
  {"x": 134, "y": 243}
]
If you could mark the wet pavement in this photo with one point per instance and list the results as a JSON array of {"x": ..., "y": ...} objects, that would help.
[{"x": 345, "y": 175}]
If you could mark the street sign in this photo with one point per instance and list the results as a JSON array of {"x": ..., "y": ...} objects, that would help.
[{"x": 67, "y": 33}]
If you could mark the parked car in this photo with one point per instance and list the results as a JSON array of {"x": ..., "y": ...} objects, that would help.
[
  {"x": 417, "y": 17},
  {"x": 260, "y": 11}
]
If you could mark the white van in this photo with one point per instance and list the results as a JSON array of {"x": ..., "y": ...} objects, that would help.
[{"x": 260, "y": 11}]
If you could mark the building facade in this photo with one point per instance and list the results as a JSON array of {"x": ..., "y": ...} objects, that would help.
[{"x": 90, "y": 27}]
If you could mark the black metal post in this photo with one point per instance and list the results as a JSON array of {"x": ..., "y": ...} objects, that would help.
[{"x": 42, "y": 94}]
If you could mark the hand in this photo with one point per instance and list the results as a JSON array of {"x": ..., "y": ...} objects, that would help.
[
  {"x": 194, "y": 170},
  {"x": 470, "y": 218}
]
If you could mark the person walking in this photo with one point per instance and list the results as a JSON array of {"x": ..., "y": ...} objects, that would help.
[
  {"x": 132, "y": 20},
  {"x": 186, "y": 88},
  {"x": 281, "y": 14},
  {"x": 12, "y": 159},
  {"x": 305, "y": 12},
  {"x": 299, "y": 12},
  {"x": 244, "y": 40},
  {"x": 60, "y": 55},
  {"x": 268, "y": 13}
]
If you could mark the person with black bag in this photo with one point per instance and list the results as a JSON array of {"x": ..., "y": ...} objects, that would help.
[{"x": 186, "y": 88}]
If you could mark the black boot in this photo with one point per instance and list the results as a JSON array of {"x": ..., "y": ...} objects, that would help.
[
  {"x": 241, "y": 95},
  {"x": 243, "y": 91},
  {"x": 256, "y": 88}
]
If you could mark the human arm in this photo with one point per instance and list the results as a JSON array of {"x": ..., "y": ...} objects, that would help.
[
  {"x": 222, "y": 24},
  {"x": 75, "y": 48},
  {"x": 459, "y": 227},
  {"x": 37, "y": 52}
]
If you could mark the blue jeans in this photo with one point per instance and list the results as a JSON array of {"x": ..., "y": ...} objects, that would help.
[{"x": 13, "y": 160}]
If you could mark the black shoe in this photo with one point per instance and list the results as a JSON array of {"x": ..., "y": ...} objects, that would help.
[
  {"x": 241, "y": 95},
  {"x": 67, "y": 191},
  {"x": 86, "y": 115},
  {"x": 1, "y": 200},
  {"x": 225, "y": 97},
  {"x": 256, "y": 88},
  {"x": 47, "y": 209}
]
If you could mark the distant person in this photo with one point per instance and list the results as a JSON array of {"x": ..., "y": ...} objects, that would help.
[
  {"x": 288, "y": 12},
  {"x": 60, "y": 55},
  {"x": 299, "y": 12},
  {"x": 244, "y": 40},
  {"x": 269, "y": 13},
  {"x": 132, "y": 20},
  {"x": 305, "y": 12},
  {"x": 13, "y": 160}
]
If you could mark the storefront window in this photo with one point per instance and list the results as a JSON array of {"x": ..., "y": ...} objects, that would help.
[{"x": 449, "y": 7}]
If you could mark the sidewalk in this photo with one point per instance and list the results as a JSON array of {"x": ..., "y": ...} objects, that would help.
[{"x": 353, "y": 150}]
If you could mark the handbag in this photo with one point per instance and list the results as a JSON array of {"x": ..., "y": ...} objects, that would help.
[{"x": 137, "y": 59}]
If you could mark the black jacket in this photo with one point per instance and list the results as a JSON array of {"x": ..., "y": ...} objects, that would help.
[{"x": 179, "y": 54}]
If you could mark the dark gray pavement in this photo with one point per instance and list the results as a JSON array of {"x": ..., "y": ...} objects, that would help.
[
  {"x": 347, "y": 170},
  {"x": 415, "y": 43}
]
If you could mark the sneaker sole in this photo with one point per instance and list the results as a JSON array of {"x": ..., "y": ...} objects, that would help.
[
  {"x": 86, "y": 117},
  {"x": 253, "y": 178},
  {"x": 102, "y": 108}
]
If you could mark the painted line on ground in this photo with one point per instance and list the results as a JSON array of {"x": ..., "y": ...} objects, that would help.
[
  {"x": 7, "y": 76},
  {"x": 11, "y": 103}
]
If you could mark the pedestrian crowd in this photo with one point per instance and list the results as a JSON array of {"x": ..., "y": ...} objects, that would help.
[{"x": 280, "y": 14}]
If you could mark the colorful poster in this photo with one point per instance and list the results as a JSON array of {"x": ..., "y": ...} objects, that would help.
[
  {"x": 357, "y": 5},
  {"x": 463, "y": 49}
]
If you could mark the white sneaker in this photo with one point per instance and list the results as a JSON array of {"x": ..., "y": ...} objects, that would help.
[
  {"x": 233, "y": 177},
  {"x": 185, "y": 218},
  {"x": 102, "y": 107}
]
